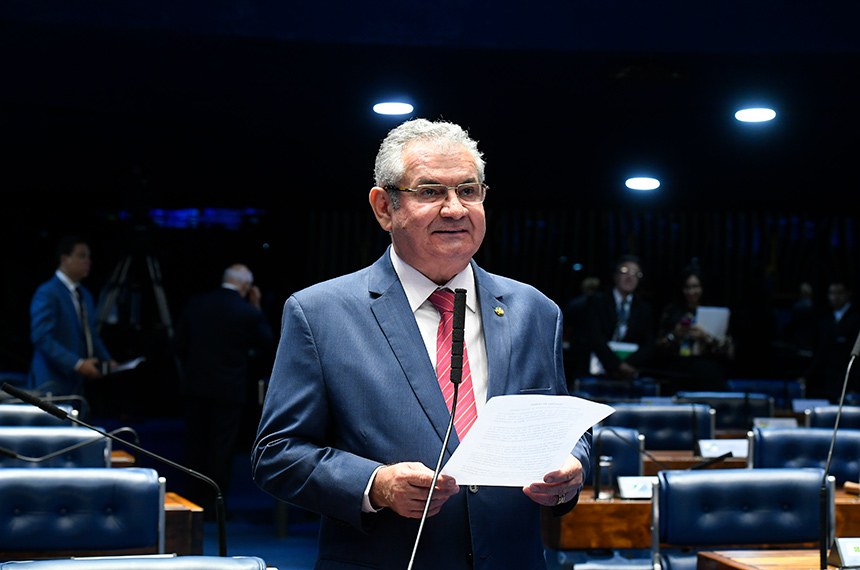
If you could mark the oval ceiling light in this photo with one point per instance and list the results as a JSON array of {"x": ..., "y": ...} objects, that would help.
[
  {"x": 644, "y": 183},
  {"x": 755, "y": 115},
  {"x": 393, "y": 108}
]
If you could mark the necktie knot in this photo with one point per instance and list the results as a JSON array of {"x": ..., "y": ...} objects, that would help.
[{"x": 443, "y": 300}]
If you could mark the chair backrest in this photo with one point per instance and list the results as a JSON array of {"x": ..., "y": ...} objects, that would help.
[
  {"x": 665, "y": 426},
  {"x": 55, "y": 511},
  {"x": 691, "y": 510},
  {"x": 783, "y": 390},
  {"x": 53, "y": 446},
  {"x": 609, "y": 390},
  {"x": 825, "y": 417},
  {"x": 27, "y": 415},
  {"x": 806, "y": 447},
  {"x": 625, "y": 445},
  {"x": 735, "y": 410},
  {"x": 153, "y": 562}
]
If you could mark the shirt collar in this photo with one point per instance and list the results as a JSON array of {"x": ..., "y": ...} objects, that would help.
[
  {"x": 70, "y": 285},
  {"x": 418, "y": 287}
]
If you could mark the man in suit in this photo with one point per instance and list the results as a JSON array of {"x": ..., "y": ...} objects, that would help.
[
  {"x": 220, "y": 335},
  {"x": 354, "y": 417},
  {"x": 836, "y": 333},
  {"x": 622, "y": 316},
  {"x": 67, "y": 349}
]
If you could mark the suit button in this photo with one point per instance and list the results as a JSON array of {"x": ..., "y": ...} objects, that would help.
[{"x": 473, "y": 488}]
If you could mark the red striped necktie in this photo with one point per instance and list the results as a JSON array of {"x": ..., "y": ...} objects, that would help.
[{"x": 466, "y": 413}]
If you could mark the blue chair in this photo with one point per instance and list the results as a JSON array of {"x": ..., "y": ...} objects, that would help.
[
  {"x": 53, "y": 446},
  {"x": 782, "y": 390},
  {"x": 731, "y": 508},
  {"x": 665, "y": 426},
  {"x": 27, "y": 415},
  {"x": 56, "y": 512},
  {"x": 625, "y": 445},
  {"x": 610, "y": 390},
  {"x": 735, "y": 410},
  {"x": 806, "y": 447},
  {"x": 825, "y": 417},
  {"x": 153, "y": 562}
]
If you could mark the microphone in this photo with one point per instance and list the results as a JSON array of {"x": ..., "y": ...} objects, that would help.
[
  {"x": 457, "y": 335},
  {"x": 825, "y": 532},
  {"x": 458, "y": 322},
  {"x": 694, "y": 429},
  {"x": 63, "y": 415},
  {"x": 57, "y": 453}
]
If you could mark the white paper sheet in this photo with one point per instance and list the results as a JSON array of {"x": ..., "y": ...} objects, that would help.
[
  {"x": 714, "y": 321},
  {"x": 518, "y": 439},
  {"x": 127, "y": 365}
]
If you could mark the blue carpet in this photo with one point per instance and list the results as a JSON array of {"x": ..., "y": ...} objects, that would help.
[{"x": 248, "y": 537}]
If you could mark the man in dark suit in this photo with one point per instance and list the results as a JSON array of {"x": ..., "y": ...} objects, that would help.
[
  {"x": 67, "y": 349},
  {"x": 355, "y": 417},
  {"x": 621, "y": 315},
  {"x": 219, "y": 336},
  {"x": 836, "y": 332}
]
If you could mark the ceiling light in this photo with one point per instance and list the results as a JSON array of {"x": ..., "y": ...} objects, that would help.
[
  {"x": 642, "y": 183},
  {"x": 393, "y": 108},
  {"x": 755, "y": 115}
]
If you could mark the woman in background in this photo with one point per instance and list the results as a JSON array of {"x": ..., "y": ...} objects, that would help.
[{"x": 693, "y": 357}]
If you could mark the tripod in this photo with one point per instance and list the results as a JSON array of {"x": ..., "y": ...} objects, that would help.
[{"x": 124, "y": 287}]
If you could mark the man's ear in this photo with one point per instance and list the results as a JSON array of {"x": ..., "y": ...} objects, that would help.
[{"x": 380, "y": 202}]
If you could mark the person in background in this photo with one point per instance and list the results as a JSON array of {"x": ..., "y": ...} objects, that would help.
[
  {"x": 219, "y": 336},
  {"x": 354, "y": 418},
  {"x": 67, "y": 348},
  {"x": 577, "y": 349},
  {"x": 836, "y": 333},
  {"x": 621, "y": 315},
  {"x": 693, "y": 358}
]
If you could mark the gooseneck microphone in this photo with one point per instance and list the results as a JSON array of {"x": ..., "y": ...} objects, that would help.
[
  {"x": 64, "y": 450},
  {"x": 825, "y": 531},
  {"x": 63, "y": 415},
  {"x": 457, "y": 335}
]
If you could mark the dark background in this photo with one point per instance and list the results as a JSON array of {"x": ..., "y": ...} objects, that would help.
[{"x": 262, "y": 111}]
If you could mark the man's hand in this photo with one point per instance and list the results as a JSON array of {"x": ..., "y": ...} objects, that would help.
[
  {"x": 403, "y": 488},
  {"x": 558, "y": 486}
]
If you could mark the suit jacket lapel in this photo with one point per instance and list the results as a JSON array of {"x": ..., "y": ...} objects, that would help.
[
  {"x": 497, "y": 331},
  {"x": 391, "y": 309}
]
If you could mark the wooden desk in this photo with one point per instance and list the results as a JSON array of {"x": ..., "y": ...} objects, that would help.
[
  {"x": 760, "y": 560},
  {"x": 183, "y": 525},
  {"x": 121, "y": 458},
  {"x": 681, "y": 459},
  {"x": 626, "y": 523}
]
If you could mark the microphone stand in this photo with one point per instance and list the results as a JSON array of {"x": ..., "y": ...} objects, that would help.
[
  {"x": 459, "y": 321},
  {"x": 60, "y": 413},
  {"x": 825, "y": 532},
  {"x": 57, "y": 453}
]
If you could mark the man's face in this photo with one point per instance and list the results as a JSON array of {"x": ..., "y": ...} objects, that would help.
[
  {"x": 627, "y": 277},
  {"x": 837, "y": 295},
  {"x": 436, "y": 239},
  {"x": 77, "y": 264}
]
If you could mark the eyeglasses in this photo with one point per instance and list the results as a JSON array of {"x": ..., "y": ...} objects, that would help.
[
  {"x": 467, "y": 193},
  {"x": 627, "y": 271}
]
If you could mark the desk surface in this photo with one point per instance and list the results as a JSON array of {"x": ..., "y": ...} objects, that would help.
[
  {"x": 626, "y": 523},
  {"x": 681, "y": 459},
  {"x": 760, "y": 560}
]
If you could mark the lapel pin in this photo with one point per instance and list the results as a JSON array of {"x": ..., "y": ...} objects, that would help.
[{"x": 499, "y": 311}]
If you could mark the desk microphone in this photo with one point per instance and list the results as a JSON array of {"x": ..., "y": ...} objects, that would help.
[
  {"x": 823, "y": 538},
  {"x": 57, "y": 453},
  {"x": 458, "y": 324},
  {"x": 63, "y": 415}
]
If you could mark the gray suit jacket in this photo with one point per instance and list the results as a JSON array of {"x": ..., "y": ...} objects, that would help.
[{"x": 353, "y": 388}]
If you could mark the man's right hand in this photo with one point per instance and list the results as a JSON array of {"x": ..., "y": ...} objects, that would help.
[{"x": 403, "y": 488}]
